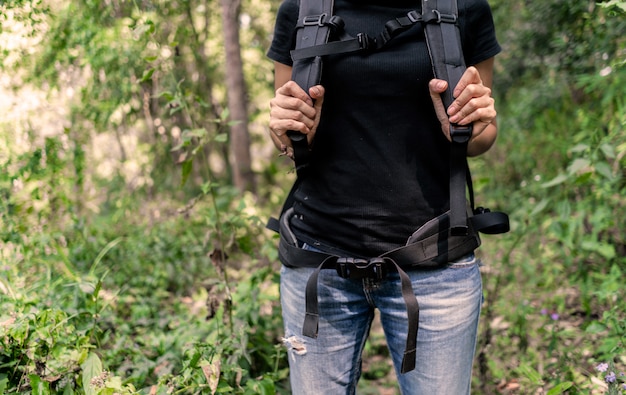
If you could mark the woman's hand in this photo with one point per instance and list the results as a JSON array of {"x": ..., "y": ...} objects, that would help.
[
  {"x": 293, "y": 109},
  {"x": 473, "y": 104}
]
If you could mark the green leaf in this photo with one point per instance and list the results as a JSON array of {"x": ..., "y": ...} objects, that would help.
[
  {"x": 265, "y": 386},
  {"x": 561, "y": 178},
  {"x": 221, "y": 138},
  {"x": 595, "y": 328},
  {"x": 605, "y": 250},
  {"x": 531, "y": 374},
  {"x": 68, "y": 390},
  {"x": 212, "y": 372},
  {"x": 605, "y": 170},
  {"x": 608, "y": 150},
  {"x": 110, "y": 245},
  {"x": 38, "y": 386},
  {"x": 141, "y": 30},
  {"x": 187, "y": 168},
  {"x": 578, "y": 165},
  {"x": 539, "y": 207},
  {"x": 560, "y": 388},
  {"x": 147, "y": 75},
  {"x": 92, "y": 367},
  {"x": 87, "y": 287},
  {"x": 114, "y": 384},
  {"x": 579, "y": 148},
  {"x": 199, "y": 133},
  {"x": 167, "y": 95}
]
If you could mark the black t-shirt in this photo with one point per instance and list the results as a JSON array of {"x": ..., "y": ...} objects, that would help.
[{"x": 380, "y": 163}]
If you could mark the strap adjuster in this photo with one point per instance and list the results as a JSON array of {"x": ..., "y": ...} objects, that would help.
[
  {"x": 314, "y": 20},
  {"x": 434, "y": 16},
  {"x": 460, "y": 134},
  {"x": 445, "y": 18},
  {"x": 414, "y": 16}
]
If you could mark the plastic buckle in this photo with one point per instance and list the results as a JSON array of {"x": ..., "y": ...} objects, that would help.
[
  {"x": 314, "y": 20},
  {"x": 365, "y": 42},
  {"x": 361, "y": 268},
  {"x": 378, "y": 268},
  {"x": 460, "y": 134},
  {"x": 481, "y": 210},
  {"x": 414, "y": 16},
  {"x": 445, "y": 18}
]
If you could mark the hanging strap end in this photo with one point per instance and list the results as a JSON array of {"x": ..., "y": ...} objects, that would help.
[
  {"x": 310, "y": 327},
  {"x": 408, "y": 361}
]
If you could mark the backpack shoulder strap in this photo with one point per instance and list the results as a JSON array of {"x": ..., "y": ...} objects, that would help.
[
  {"x": 446, "y": 53},
  {"x": 313, "y": 28}
]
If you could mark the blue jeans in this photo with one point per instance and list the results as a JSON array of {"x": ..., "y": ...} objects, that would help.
[{"x": 449, "y": 300}]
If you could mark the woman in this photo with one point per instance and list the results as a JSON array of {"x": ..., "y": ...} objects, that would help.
[{"x": 379, "y": 169}]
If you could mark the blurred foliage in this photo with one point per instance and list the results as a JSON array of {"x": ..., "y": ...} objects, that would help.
[
  {"x": 130, "y": 264},
  {"x": 551, "y": 310}
]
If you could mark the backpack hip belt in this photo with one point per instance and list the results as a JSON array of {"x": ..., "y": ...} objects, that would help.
[{"x": 431, "y": 246}]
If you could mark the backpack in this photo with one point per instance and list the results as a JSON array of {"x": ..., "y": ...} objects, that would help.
[{"x": 445, "y": 238}]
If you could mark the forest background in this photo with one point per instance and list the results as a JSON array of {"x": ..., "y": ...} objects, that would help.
[{"x": 137, "y": 174}]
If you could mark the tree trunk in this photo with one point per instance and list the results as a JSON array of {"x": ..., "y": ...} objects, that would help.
[{"x": 243, "y": 178}]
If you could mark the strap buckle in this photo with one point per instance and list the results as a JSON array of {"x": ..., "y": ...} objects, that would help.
[
  {"x": 314, "y": 20},
  {"x": 445, "y": 18},
  {"x": 435, "y": 16},
  {"x": 361, "y": 268},
  {"x": 365, "y": 41},
  {"x": 460, "y": 134},
  {"x": 414, "y": 16}
]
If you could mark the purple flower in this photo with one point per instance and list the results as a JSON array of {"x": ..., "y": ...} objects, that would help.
[
  {"x": 602, "y": 367},
  {"x": 610, "y": 378},
  {"x": 544, "y": 311},
  {"x": 554, "y": 316}
]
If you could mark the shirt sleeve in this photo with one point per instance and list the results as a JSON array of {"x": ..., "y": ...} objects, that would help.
[
  {"x": 477, "y": 31},
  {"x": 284, "y": 32}
]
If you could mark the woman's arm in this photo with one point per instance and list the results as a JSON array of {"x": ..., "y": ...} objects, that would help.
[{"x": 293, "y": 109}]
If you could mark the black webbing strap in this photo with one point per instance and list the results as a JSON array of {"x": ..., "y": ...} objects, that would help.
[
  {"x": 313, "y": 30},
  {"x": 362, "y": 42},
  {"x": 350, "y": 268},
  {"x": 446, "y": 53}
]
